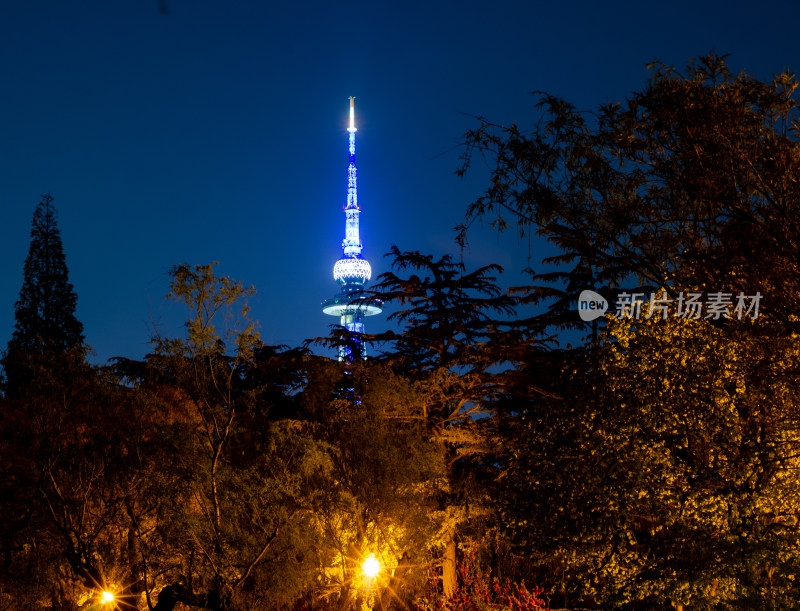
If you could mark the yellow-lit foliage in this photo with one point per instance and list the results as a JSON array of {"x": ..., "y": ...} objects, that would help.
[{"x": 702, "y": 420}]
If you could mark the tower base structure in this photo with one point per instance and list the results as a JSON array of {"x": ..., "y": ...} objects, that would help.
[{"x": 351, "y": 315}]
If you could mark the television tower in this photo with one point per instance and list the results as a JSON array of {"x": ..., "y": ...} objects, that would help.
[{"x": 352, "y": 271}]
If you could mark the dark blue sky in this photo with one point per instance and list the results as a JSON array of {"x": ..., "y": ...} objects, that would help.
[{"x": 217, "y": 131}]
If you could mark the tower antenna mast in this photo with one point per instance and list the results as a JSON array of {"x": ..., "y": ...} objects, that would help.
[{"x": 352, "y": 271}]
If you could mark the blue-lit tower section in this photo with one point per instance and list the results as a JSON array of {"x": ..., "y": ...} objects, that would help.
[{"x": 352, "y": 271}]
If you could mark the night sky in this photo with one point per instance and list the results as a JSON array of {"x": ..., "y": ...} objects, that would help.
[{"x": 199, "y": 130}]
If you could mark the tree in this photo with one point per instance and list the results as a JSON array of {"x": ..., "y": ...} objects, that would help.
[
  {"x": 73, "y": 469},
  {"x": 661, "y": 464},
  {"x": 238, "y": 529},
  {"x": 50, "y": 391},
  {"x": 447, "y": 347},
  {"x": 45, "y": 322},
  {"x": 677, "y": 188},
  {"x": 383, "y": 496}
]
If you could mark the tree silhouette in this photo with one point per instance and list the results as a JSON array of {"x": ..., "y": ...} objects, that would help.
[
  {"x": 447, "y": 349},
  {"x": 45, "y": 322}
]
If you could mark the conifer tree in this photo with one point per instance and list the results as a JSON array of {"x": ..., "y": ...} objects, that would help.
[
  {"x": 45, "y": 322},
  {"x": 447, "y": 349}
]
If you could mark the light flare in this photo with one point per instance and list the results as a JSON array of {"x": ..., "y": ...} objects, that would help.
[{"x": 371, "y": 566}]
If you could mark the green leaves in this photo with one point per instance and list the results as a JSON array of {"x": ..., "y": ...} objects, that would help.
[
  {"x": 211, "y": 300},
  {"x": 658, "y": 465}
]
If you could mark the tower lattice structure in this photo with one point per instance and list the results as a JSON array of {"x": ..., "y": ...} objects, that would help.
[{"x": 352, "y": 271}]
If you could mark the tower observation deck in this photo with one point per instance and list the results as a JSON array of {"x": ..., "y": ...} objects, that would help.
[{"x": 352, "y": 271}]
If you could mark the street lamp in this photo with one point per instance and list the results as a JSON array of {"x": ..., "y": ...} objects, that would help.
[
  {"x": 107, "y": 597},
  {"x": 371, "y": 566}
]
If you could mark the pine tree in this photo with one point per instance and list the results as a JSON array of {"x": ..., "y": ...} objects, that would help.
[
  {"x": 45, "y": 322},
  {"x": 447, "y": 350}
]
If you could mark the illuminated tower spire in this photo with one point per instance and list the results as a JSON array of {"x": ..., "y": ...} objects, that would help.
[
  {"x": 351, "y": 245},
  {"x": 351, "y": 271}
]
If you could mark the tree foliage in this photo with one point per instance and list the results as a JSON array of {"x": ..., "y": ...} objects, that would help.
[
  {"x": 239, "y": 501},
  {"x": 677, "y": 187},
  {"x": 44, "y": 315},
  {"x": 45, "y": 311},
  {"x": 449, "y": 342},
  {"x": 659, "y": 465}
]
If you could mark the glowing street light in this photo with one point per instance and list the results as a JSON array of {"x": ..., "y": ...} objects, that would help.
[
  {"x": 371, "y": 566},
  {"x": 107, "y": 597}
]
